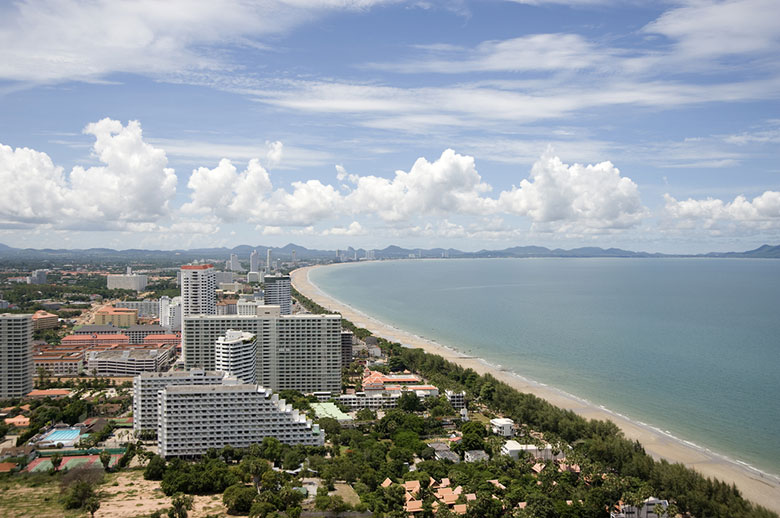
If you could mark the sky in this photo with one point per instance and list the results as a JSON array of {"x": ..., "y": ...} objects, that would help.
[{"x": 483, "y": 124}]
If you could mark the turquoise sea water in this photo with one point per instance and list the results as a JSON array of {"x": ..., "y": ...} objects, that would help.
[{"x": 690, "y": 346}]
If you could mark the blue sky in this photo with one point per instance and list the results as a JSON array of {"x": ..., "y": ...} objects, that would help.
[{"x": 481, "y": 124}]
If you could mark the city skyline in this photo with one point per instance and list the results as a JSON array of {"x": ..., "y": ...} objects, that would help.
[{"x": 467, "y": 125}]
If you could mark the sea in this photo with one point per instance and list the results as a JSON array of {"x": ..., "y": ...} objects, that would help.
[{"x": 689, "y": 346}]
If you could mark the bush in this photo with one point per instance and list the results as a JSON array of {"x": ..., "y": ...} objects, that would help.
[{"x": 238, "y": 498}]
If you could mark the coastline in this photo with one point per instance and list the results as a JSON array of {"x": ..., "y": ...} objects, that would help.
[{"x": 755, "y": 485}]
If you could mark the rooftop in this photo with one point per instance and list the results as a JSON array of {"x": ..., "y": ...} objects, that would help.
[{"x": 197, "y": 266}]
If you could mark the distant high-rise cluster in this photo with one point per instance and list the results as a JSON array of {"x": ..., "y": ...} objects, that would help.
[{"x": 254, "y": 262}]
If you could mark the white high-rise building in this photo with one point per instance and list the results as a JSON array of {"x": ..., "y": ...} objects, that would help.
[
  {"x": 278, "y": 293},
  {"x": 16, "y": 359},
  {"x": 236, "y": 354},
  {"x": 198, "y": 285},
  {"x": 147, "y": 384},
  {"x": 254, "y": 261},
  {"x": 235, "y": 264},
  {"x": 297, "y": 352},
  {"x": 37, "y": 277},
  {"x": 193, "y": 419},
  {"x": 170, "y": 312},
  {"x": 268, "y": 266}
]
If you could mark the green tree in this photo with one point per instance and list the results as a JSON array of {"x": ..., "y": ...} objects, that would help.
[
  {"x": 78, "y": 494},
  {"x": 366, "y": 414},
  {"x": 155, "y": 469},
  {"x": 105, "y": 459},
  {"x": 56, "y": 460},
  {"x": 92, "y": 505},
  {"x": 255, "y": 468},
  {"x": 239, "y": 498},
  {"x": 180, "y": 505},
  {"x": 409, "y": 402}
]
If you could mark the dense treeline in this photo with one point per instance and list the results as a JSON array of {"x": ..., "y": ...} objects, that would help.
[{"x": 598, "y": 446}]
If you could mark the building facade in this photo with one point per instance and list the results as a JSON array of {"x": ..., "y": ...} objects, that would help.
[
  {"x": 149, "y": 308},
  {"x": 254, "y": 261},
  {"x": 131, "y": 281},
  {"x": 117, "y": 317},
  {"x": 236, "y": 354},
  {"x": 16, "y": 360},
  {"x": 297, "y": 352},
  {"x": 193, "y": 419},
  {"x": 198, "y": 290},
  {"x": 146, "y": 386},
  {"x": 278, "y": 292}
]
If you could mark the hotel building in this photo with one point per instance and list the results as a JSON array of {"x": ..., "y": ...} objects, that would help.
[
  {"x": 16, "y": 360},
  {"x": 278, "y": 293},
  {"x": 236, "y": 354}
]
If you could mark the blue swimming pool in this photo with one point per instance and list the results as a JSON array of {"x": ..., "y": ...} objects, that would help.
[{"x": 67, "y": 435}]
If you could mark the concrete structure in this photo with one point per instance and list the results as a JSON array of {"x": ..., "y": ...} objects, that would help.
[
  {"x": 198, "y": 285},
  {"x": 502, "y": 426},
  {"x": 248, "y": 307},
  {"x": 118, "y": 317},
  {"x": 476, "y": 456},
  {"x": 347, "y": 338},
  {"x": 193, "y": 419},
  {"x": 328, "y": 409},
  {"x": 254, "y": 261},
  {"x": 44, "y": 320},
  {"x": 268, "y": 265},
  {"x": 298, "y": 352},
  {"x": 148, "y": 308},
  {"x": 278, "y": 293},
  {"x": 647, "y": 510},
  {"x": 16, "y": 361},
  {"x": 224, "y": 277},
  {"x": 236, "y": 354},
  {"x": 514, "y": 449},
  {"x": 235, "y": 264},
  {"x": 129, "y": 281},
  {"x": 130, "y": 362},
  {"x": 169, "y": 312},
  {"x": 70, "y": 364},
  {"x": 146, "y": 386},
  {"x": 362, "y": 400},
  {"x": 37, "y": 277},
  {"x": 457, "y": 399}
]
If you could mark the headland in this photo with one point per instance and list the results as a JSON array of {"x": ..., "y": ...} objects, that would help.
[{"x": 756, "y": 486}]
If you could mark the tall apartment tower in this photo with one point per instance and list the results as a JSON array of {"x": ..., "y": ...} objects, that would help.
[
  {"x": 277, "y": 292},
  {"x": 16, "y": 359},
  {"x": 268, "y": 267},
  {"x": 235, "y": 264},
  {"x": 198, "y": 285},
  {"x": 254, "y": 262},
  {"x": 236, "y": 354}
]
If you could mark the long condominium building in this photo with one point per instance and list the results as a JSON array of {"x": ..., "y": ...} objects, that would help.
[
  {"x": 193, "y": 419},
  {"x": 198, "y": 290},
  {"x": 131, "y": 281},
  {"x": 278, "y": 293},
  {"x": 16, "y": 359},
  {"x": 297, "y": 352},
  {"x": 236, "y": 354},
  {"x": 147, "y": 384}
]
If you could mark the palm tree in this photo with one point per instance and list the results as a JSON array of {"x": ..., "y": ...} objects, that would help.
[{"x": 56, "y": 460}]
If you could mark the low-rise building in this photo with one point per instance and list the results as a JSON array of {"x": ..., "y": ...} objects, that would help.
[
  {"x": 130, "y": 281},
  {"x": 44, "y": 320},
  {"x": 147, "y": 308},
  {"x": 502, "y": 426},
  {"x": 193, "y": 419},
  {"x": 514, "y": 449},
  {"x": 68, "y": 364},
  {"x": 130, "y": 362},
  {"x": 119, "y": 317},
  {"x": 457, "y": 399},
  {"x": 475, "y": 456}
]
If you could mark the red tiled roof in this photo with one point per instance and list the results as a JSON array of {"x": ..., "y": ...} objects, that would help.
[{"x": 197, "y": 266}]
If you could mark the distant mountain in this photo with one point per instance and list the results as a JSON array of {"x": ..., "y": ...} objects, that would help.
[
  {"x": 762, "y": 252},
  {"x": 45, "y": 256}
]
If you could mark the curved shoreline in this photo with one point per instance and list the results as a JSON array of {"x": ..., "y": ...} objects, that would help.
[{"x": 755, "y": 485}]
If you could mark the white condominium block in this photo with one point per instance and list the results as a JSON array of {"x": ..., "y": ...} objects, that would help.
[
  {"x": 254, "y": 262},
  {"x": 278, "y": 293},
  {"x": 146, "y": 386},
  {"x": 236, "y": 354},
  {"x": 196, "y": 418},
  {"x": 298, "y": 352},
  {"x": 131, "y": 281},
  {"x": 16, "y": 359},
  {"x": 198, "y": 285}
]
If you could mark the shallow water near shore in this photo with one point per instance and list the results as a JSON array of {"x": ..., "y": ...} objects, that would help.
[{"x": 690, "y": 346}]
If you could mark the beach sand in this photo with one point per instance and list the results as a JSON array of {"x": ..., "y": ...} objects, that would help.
[{"x": 754, "y": 485}]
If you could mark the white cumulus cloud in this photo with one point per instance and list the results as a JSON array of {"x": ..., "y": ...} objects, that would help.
[
  {"x": 761, "y": 213},
  {"x": 575, "y": 197},
  {"x": 133, "y": 186}
]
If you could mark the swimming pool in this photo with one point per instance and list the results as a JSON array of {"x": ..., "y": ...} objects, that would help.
[{"x": 66, "y": 436}]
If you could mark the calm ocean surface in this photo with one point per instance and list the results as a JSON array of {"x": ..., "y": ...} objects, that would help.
[{"x": 690, "y": 346}]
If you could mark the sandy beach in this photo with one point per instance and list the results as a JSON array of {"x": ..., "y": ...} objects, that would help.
[{"x": 754, "y": 485}]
